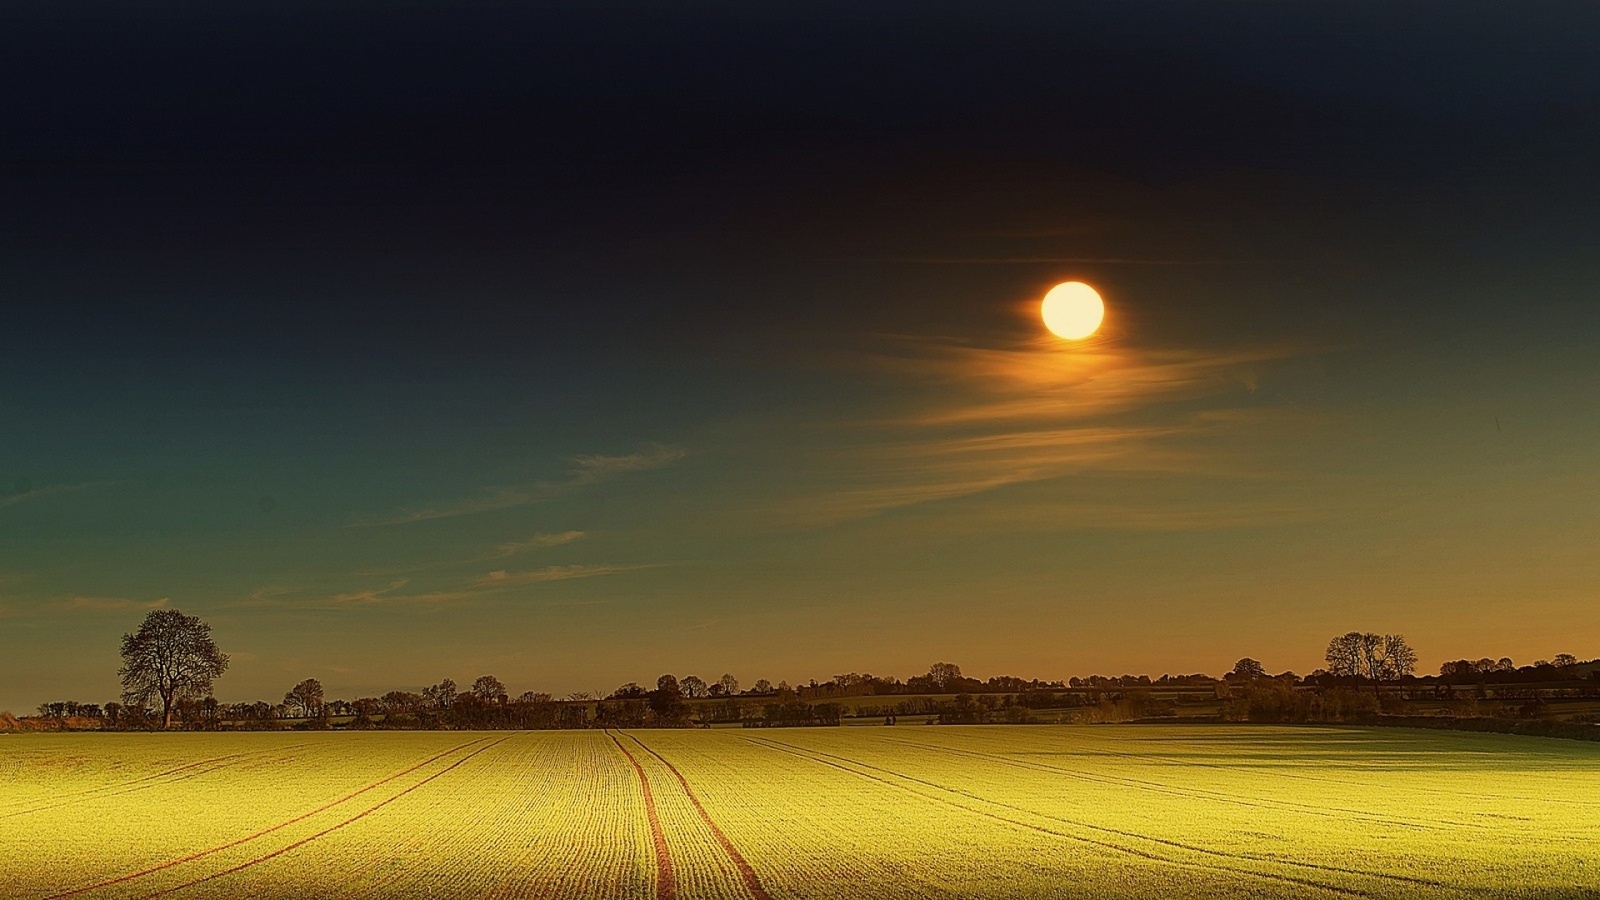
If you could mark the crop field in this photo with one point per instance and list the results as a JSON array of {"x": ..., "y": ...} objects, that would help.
[{"x": 988, "y": 811}]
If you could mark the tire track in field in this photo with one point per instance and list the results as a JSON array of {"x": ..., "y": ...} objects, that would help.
[
  {"x": 1264, "y": 770},
  {"x": 817, "y": 757},
  {"x": 1197, "y": 795},
  {"x": 751, "y": 881},
  {"x": 332, "y": 828},
  {"x": 143, "y": 783},
  {"x": 130, "y": 876},
  {"x": 1157, "y": 787},
  {"x": 666, "y": 877}
]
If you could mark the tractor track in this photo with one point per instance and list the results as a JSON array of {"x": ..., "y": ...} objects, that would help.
[
  {"x": 1329, "y": 812},
  {"x": 666, "y": 877},
  {"x": 751, "y": 881},
  {"x": 335, "y": 827},
  {"x": 1199, "y": 795},
  {"x": 827, "y": 759},
  {"x": 159, "y": 779},
  {"x": 200, "y": 854},
  {"x": 1297, "y": 776}
]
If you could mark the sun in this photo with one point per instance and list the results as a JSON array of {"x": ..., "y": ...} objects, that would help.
[{"x": 1072, "y": 310}]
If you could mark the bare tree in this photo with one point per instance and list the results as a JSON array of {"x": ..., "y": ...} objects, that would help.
[
  {"x": 306, "y": 697},
  {"x": 441, "y": 695},
  {"x": 1398, "y": 659},
  {"x": 944, "y": 674},
  {"x": 488, "y": 689},
  {"x": 730, "y": 685},
  {"x": 1378, "y": 657},
  {"x": 1348, "y": 653},
  {"x": 694, "y": 687},
  {"x": 762, "y": 686},
  {"x": 1564, "y": 660},
  {"x": 1247, "y": 669},
  {"x": 171, "y": 656}
]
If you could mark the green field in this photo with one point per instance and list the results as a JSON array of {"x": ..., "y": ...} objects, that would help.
[{"x": 994, "y": 811}]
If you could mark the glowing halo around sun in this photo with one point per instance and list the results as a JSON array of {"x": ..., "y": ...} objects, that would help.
[{"x": 1072, "y": 310}]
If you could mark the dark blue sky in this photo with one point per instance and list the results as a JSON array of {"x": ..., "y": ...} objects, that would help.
[{"x": 578, "y": 343}]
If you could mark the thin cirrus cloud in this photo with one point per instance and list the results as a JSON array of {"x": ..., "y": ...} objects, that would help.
[
  {"x": 370, "y": 595},
  {"x": 24, "y": 492},
  {"x": 112, "y": 604},
  {"x": 586, "y": 470},
  {"x": 502, "y": 578},
  {"x": 995, "y": 417},
  {"x": 392, "y": 593},
  {"x": 1052, "y": 260},
  {"x": 539, "y": 541}
]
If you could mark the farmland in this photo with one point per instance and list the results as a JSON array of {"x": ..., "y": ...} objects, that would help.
[{"x": 1041, "y": 811}]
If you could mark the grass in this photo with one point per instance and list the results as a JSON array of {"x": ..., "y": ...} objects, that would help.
[{"x": 1130, "y": 811}]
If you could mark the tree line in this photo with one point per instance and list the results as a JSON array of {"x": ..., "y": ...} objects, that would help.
[{"x": 170, "y": 665}]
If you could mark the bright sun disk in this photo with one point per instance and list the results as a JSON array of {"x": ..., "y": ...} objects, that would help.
[{"x": 1072, "y": 310}]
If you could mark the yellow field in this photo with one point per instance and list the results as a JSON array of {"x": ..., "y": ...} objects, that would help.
[{"x": 994, "y": 811}]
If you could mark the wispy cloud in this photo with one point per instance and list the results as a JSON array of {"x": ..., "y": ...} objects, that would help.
[
  {"x": 592, "y": 469},
  {"x": 538, "y": 542},
  {"x": 995, "y": 417},
  {"x": 26, "y": 492},
  {"x": 112, "y": 604},
  {"x": 586, "y": 470},
  {"x": 369, "y": 596},
  {"x": 394, "y": 593},
  {"x": 1053, "y": 260},
  {"x": 502, "y": 578}
]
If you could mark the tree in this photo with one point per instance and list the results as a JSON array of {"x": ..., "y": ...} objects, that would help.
[
  {"x": 694, "y": 687},
  {"x": 1247, "y": 669},
  {"x": 730, "y": 685},
  {"x": 944, "y": 674},
  {"x": 488, "y": 689},
  {"x": 171, "y": 657},
  {"x": 1564, "y": 660},
  {"x": 441, "y": 695},
  {"x": 666, "y": 701},
  {"x": 763, "y": 686},
  {"x": 1347, "y": 654},
  {"x": 1399, "y": 659},
  {"x": 401, "y": 703},
  {"x": 306, "y": 697},
  {"x": 1378, "y": 657}
]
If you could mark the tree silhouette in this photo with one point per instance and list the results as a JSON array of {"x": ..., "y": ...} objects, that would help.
[
  {"x": 666, "y": 701},
  {"x": 171, "y": 657},
  {"x": 1379, "y": 657},
  {"x": 944, "y": 674},
  {"x": 306, "y": 697},
  {"x": 441, "y": 696},
  {"x": 694, "y": 687},
  {"x": 488, "y": 689},
  {"x": 1247, "y": 669}
]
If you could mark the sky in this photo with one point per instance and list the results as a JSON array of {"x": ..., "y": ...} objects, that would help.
[{"x": 577, "y": 343}]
